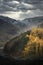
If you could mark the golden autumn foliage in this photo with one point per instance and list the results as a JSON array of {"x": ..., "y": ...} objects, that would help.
[{"x": 35, "y": 44}]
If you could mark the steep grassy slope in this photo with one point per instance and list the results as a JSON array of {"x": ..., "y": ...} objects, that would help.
[
  {"x": 7, "y": 30},
  {"x": 27, "y": 45}
]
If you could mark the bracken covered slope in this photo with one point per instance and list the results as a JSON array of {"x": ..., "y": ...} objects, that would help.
[{"x": 28, "y": 45}]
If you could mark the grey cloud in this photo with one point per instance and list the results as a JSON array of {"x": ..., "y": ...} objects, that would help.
[
  {"x": 7, "y": 0},
  {"x": 35, "y": 7},
  {"x": 10, "y": 5},
  {"x": 30, "y": 1},
  {"x": 5, "y": 8},
  {"x": 40, "y": 5},
  {"x": 32, "y": 13}
]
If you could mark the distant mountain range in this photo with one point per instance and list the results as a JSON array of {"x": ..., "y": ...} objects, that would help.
[{"x": 11, "y": 27}]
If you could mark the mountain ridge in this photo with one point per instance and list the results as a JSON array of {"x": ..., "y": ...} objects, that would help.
[{"x": 11, "y": 27}]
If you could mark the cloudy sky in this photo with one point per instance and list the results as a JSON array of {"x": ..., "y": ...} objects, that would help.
[{"x": 21, "y": 9}]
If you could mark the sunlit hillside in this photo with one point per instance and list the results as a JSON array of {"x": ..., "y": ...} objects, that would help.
[
  {"x": 27, "y": 45},
  {"x": 35, "y": 44}
]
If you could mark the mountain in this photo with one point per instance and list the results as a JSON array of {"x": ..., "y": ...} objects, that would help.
[
  {"x": 33, "y": 22},
  {"x": 14, "y": 22},
  {"x": 10, "y": 27},
  {"x": 28, "y": 45},
  {"x": 40, "y": 25},
  {"x": 7, "y": 30}
]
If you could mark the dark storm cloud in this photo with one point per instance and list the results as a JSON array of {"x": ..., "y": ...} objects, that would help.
[
  {"x": 17, "y": 5},
  {"x": 30, "y": 1},
  {"x": 21, "y": 8}
]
